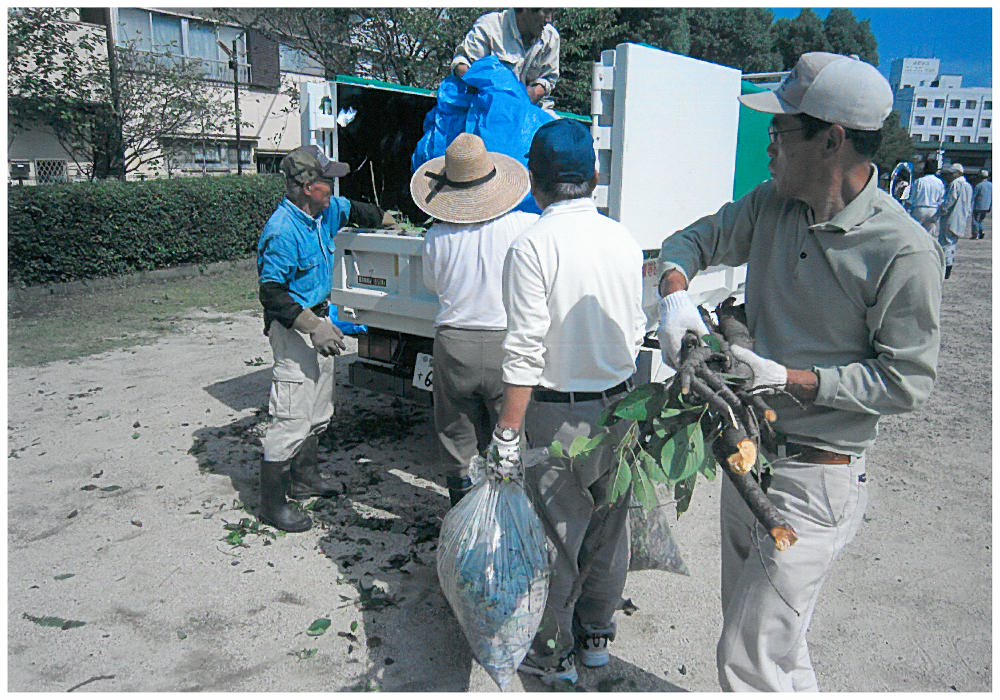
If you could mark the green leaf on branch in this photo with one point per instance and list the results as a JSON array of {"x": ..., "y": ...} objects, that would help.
[
  {"x": 683, "y": 490},
  {"x": 637, "y": 405},
  {"x": 707, "y": 468},
  {"x": 653, "y": 468},
  {"x": 695, "y": 450},
  {"x": 623, "y": 477},
  {"x": 578, "y": 447},
  {"x": 642, "y": 488},
  {"x": 556, "y": 450},
  {"x": 712, "y": 342}
]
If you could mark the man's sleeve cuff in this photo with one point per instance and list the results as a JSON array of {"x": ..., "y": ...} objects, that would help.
[
  {"x": 829, "y": 380},
  {"x": 667, "y": 266},
  {"x": 521, "y": 376}
]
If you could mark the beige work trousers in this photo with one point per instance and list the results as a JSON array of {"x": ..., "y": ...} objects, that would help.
[
  {"x": 768, "y": 597},
  {"x": 468, "y": 390},
  {"x": 568, "y": 500},
  {"x": 302, "y": 393},
  {"x": 927, "y": 217}
]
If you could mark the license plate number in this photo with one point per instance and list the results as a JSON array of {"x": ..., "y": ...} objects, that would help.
[{"x": 423, "y": 372}]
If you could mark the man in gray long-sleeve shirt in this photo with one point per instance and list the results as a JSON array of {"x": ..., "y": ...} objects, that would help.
[{"x": 842, "y": 296}]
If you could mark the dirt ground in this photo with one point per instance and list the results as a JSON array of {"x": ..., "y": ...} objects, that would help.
[{"x": 124, "y": 469}]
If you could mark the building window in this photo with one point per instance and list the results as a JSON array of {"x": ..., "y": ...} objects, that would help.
[
  {"x": 919, "y": 121},
  {"x": 938, "y": 104},
  {"x": 92, "y": 15},
  {"x": 986, "y": 123},
  {"x": 921, "y": 102},
  {"x": 176, "y": 40},
  {"x": 296, "y": 61},
  {"x": 954, "y": 104},
  {"x": 967, "y": 122},
  {"x": 50, "y": 171},
  {"x": 934, "y": 137},
  {"x": 952, "y": 121},
  {"x": 970, "y": 104},
  {"x": 269, "y": 163},
  {"x": 206, "y": 157},
  {"x": 918, "y": 137},
  {"x": 949, "y": 138},
  {"x": 965, "y": 139},
  {"x": 988, "y": 104},
  {"x": 984, "y": 139},
  {"x": 935, "y": 121}
]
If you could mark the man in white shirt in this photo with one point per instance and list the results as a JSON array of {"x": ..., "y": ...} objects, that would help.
[
  {"x": 956, "y": 213},
  {"x": 572, "y": 287},
  {"x": 524, "y": 40},
  {"x": 471, "y": 193},
  {"x": 927, "y": 197}
]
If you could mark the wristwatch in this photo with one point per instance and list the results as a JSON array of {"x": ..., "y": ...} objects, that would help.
[{"x": 505, "y": 434}]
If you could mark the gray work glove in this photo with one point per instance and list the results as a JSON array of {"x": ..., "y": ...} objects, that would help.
[
  {"x": 678, "y": 315},
  {"x": 503, "y": 456},
  {"x": 766, "y": 373},
  {"x": 325, "y": 337}
]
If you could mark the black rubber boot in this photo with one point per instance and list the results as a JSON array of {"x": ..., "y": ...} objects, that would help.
[
  {"x": 307, "y": 480},
  {"x": 458, "y": 486},
  {"x": 274, "y": 509}
]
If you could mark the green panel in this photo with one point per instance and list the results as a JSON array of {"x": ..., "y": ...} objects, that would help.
[
  {"x": 751, "y": 147},
  {"x": 381, "y": 84}
]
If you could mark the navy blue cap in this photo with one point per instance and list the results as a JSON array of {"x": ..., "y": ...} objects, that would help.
[{"x": 562, "y": 151}]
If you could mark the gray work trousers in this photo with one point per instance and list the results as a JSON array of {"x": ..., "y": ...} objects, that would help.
[
  {"x": 302, "y": 393},
  {"x": 571, "y": 502},
  {"x": 468, "y": 390},
  {"x": 768, "y": 597}
]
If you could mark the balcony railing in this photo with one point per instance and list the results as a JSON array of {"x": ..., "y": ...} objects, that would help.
[{"x": 211, "y": 68}]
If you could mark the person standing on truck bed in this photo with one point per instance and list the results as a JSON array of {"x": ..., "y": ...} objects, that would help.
[
  {"x": 572, "y": 287},
  {"x": 471, "y": 193},
  {"x": 524, "y": 40},
  {"x": 843, "y": 294},
  {"x": 294, "y": 263}
]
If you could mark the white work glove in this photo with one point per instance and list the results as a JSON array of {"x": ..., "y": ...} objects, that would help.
[
  {"x": 326, "y": 337},
  {"x": 766, "y": 373},
  {"x": 503, "y": 457},
  {"x": 678, "y": 315}
]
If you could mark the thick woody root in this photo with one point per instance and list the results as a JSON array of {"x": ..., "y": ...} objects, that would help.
[
  {"x": 760, "y": 505},
  {"x": 733, "y": 323},
  {"x": 735, "y": 448}
]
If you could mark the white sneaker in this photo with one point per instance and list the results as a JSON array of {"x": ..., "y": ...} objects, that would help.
[
  {"x": 594, "y": 650},
  {"x": 565, "y": 672}
]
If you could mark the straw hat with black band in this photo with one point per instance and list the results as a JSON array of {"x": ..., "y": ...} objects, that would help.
[{"x": 469, "y": 184}]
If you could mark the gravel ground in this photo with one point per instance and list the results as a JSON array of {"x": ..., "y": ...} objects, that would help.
[{"x": 125, "y": 468}]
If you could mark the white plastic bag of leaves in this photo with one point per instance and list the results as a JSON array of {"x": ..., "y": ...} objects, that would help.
[
  {"x": 652, "y": 544},
  {"x": 493, "y": 566}
]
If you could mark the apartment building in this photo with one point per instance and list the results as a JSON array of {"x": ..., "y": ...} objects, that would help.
[
  {"x": 935, "y": 108},
  {"x": 268, "y": 73}
]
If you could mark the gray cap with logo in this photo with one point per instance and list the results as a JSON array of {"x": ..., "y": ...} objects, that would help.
[
  {"x": 837, "y": 89},
  {"x": 308, "y": 164}
]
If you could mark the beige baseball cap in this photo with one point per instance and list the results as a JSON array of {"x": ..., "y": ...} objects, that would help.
[
  {"x": 837, "y": 89},
  {"x": 954, "y": 168}
]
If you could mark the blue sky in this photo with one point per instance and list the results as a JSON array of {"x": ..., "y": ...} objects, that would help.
[{"x": 961, "y": 38}]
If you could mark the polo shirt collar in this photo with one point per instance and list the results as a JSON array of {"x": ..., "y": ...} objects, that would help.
[
  {"x": 857, "y": 211},
  {"x": 297, "y": 213}
]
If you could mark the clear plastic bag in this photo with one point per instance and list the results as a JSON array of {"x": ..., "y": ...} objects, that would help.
[
  {"x": 651, "y": 540},
  {"x": 493, "y": 567}
]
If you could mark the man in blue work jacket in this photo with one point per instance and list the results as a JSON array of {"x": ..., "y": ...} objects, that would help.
[{"x": 295, "y": 263}]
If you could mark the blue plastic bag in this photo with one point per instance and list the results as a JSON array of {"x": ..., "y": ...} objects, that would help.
[
  {"x": 492, "y": 103},
  {"x": 346, "y": 327}
]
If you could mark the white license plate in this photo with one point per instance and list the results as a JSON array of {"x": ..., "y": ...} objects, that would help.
[{"x": 423, "y": 372}]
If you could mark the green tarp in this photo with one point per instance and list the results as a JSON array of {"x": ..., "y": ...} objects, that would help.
[{"x": 751, "y": 147}]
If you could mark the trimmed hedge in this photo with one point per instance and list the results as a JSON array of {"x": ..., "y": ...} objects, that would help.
[{"x": 85, "y": 230}]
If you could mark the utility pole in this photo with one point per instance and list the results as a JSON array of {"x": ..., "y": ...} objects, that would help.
[
  {"x": 116, "y": 146},
  {"x": 234, "y": 63}
]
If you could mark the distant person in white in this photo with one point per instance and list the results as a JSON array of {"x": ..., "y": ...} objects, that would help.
[
  {"x": 471, "y": 193},
  {"x": 982, "y": 202},
  {"x": 927, "y": 197},
  {"x": 956, "y": 213}
]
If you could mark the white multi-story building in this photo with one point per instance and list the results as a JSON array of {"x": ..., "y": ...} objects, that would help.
[{"x": 936, "y": 108}]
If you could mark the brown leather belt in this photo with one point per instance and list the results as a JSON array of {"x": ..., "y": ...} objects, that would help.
[{"x": 814, "y": 455}]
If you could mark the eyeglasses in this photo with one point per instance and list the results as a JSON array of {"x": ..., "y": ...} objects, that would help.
[{"x": 773, "y": 133}]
